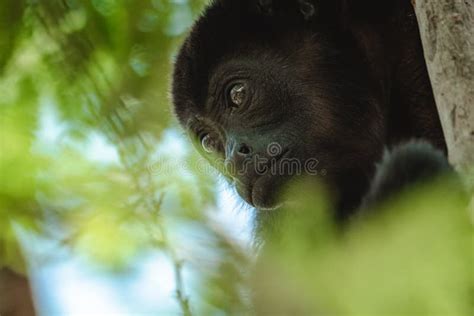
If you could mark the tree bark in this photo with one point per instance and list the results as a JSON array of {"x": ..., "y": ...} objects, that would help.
[
  {"x": 15, "y": 295},
  {"x": 447, "y": 33}
]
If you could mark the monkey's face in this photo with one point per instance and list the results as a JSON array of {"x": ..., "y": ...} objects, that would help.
[
  {"x": 266, "y": 102},
  {"x": 254, "y": 128},
  {"x": 267, "y": 120}
]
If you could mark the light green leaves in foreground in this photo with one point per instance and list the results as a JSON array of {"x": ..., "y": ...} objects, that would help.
[{"x": 414, "y": 256}]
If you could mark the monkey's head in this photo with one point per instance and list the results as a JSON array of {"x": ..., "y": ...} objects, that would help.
[{"x": 270, "y": 90}]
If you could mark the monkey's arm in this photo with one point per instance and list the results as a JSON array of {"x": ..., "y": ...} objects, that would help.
[{"x": 406, "y": 165}]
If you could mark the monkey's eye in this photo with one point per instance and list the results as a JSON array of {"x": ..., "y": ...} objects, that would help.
[
  {"x": 208, "y": 144},
  {"x": 237, "y": 94}
]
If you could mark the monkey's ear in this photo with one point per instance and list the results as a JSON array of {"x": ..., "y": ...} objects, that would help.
[
  {"x": 265, "y": 7},
  {"x": 308, "y": 9}
]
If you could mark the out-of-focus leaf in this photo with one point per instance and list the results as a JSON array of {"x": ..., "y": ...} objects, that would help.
[{"x": 415, "y": 257}]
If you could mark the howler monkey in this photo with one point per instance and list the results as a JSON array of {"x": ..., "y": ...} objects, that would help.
[{"x": 331, "y": 82}]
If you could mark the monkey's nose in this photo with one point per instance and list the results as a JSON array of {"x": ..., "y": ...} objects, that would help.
[
  {"x": 244, "y": 150},
  {"x": 237, "y": 159}
]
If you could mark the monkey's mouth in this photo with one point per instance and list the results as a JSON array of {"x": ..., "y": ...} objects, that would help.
[
  {"x": 263, "y": 193},
  {"x": 264, "y": 196},
  {"x": 250, "y": 194}
]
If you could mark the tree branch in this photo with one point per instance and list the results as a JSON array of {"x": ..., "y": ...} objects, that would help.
[{"x": 447, "y": 33}]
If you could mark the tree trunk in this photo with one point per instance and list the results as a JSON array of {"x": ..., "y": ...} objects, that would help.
[
  {"x": 447, "y": 33},
  {"x": 15, "y": 295}
]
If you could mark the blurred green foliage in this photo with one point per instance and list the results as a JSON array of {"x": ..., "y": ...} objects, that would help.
[
  {"x": 91, "y": 161},
  {"x": 75, "y": 72},
  {"x": 412, "y": 256}
]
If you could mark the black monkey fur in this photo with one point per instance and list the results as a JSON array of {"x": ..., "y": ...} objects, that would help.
[{"x": 336, "y": 80}]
